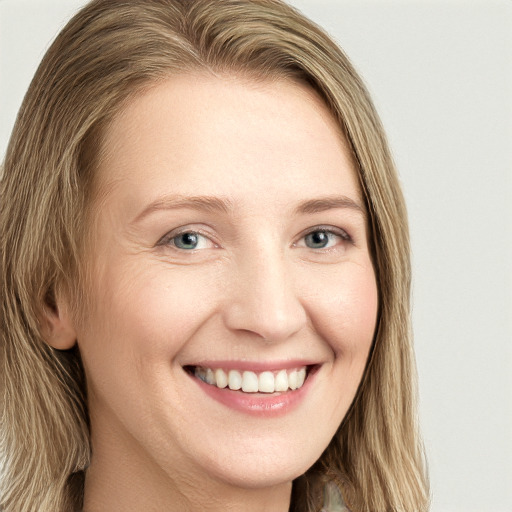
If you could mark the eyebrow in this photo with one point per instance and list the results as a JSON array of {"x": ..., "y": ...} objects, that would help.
[
  {"x": 200, "y": 203},
  {"x": 211, "y": 204},
  {"x": 323, "y": 204}
]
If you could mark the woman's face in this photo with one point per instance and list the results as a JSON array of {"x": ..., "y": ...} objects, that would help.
[{"x": 230, "y": 246}]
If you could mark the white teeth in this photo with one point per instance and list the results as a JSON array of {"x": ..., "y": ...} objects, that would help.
[
  {"x": 210, "y": 377},
  {"x": 281, "y": 381},
  {"x": 234, "y": 380},
  {"x": 301, "y": 377},
  {"x": 200, "y": 373},
  {"x": 292, "y": 379},
  {"x": 252, "y": 382},
  {"x": 266, "y": 382},
  {"x": 221, "y": 378}
]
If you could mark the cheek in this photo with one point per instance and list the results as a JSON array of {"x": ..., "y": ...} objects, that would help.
[
  {"x": 149, "y": 311},
  {"x": 345, "y": 312},
  {"x": 140, "y": 322}
]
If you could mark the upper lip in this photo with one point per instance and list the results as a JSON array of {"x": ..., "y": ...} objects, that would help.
[{"x": 258, "y": 366}]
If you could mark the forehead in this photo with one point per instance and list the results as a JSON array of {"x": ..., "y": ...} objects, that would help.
[{"x": 199, "y": 134}]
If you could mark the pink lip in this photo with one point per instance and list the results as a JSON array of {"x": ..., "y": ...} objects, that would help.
[{"x": 258, "y": 404}]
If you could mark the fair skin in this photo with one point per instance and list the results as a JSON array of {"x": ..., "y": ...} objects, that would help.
[{"x": 230, "y": 235}]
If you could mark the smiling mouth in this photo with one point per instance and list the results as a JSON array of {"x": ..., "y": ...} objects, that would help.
[{"x": 251, "y": 381}]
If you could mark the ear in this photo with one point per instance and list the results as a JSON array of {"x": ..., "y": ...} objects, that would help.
[{"x": 57, "y": 325}]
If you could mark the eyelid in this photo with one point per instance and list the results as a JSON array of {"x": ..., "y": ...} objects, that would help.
[
  {"x": 165, "y": 240},
  {"x": 342, "y": 233}
]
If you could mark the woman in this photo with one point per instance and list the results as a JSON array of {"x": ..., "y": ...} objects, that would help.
[{"x": 206, "y": 272}]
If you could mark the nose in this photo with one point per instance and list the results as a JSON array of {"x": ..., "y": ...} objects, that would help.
[{"x": 263, "y": 299}]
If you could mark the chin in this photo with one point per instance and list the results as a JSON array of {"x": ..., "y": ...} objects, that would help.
[{"x": 263, "y": 463}]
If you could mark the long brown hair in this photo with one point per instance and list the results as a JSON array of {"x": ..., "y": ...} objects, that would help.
[{"x": 107, "y": 53}]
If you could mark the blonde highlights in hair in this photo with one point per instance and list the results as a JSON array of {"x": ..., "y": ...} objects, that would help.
[{"x": 107, "y": 53}]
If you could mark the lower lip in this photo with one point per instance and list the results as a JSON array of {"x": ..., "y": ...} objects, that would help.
[{"x": 258, "y": 404}]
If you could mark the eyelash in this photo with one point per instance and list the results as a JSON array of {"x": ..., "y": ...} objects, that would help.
[
  {"x": 330, "y": 231},
  {"x": 170, "y": 238}
]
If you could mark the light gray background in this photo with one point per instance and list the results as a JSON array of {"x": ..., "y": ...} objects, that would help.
[{"x": 441, "y": 75}]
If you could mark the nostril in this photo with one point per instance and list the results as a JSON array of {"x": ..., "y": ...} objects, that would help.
[{"x": 269, "y": 323}]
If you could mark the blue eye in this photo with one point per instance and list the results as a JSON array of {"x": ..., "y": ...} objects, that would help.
[
  {"x": 318, "y": 239},
  {"x": 187, "y": 241},
  {"x": 191, "y": 240},
  {"x": 324, "y": 238}
]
